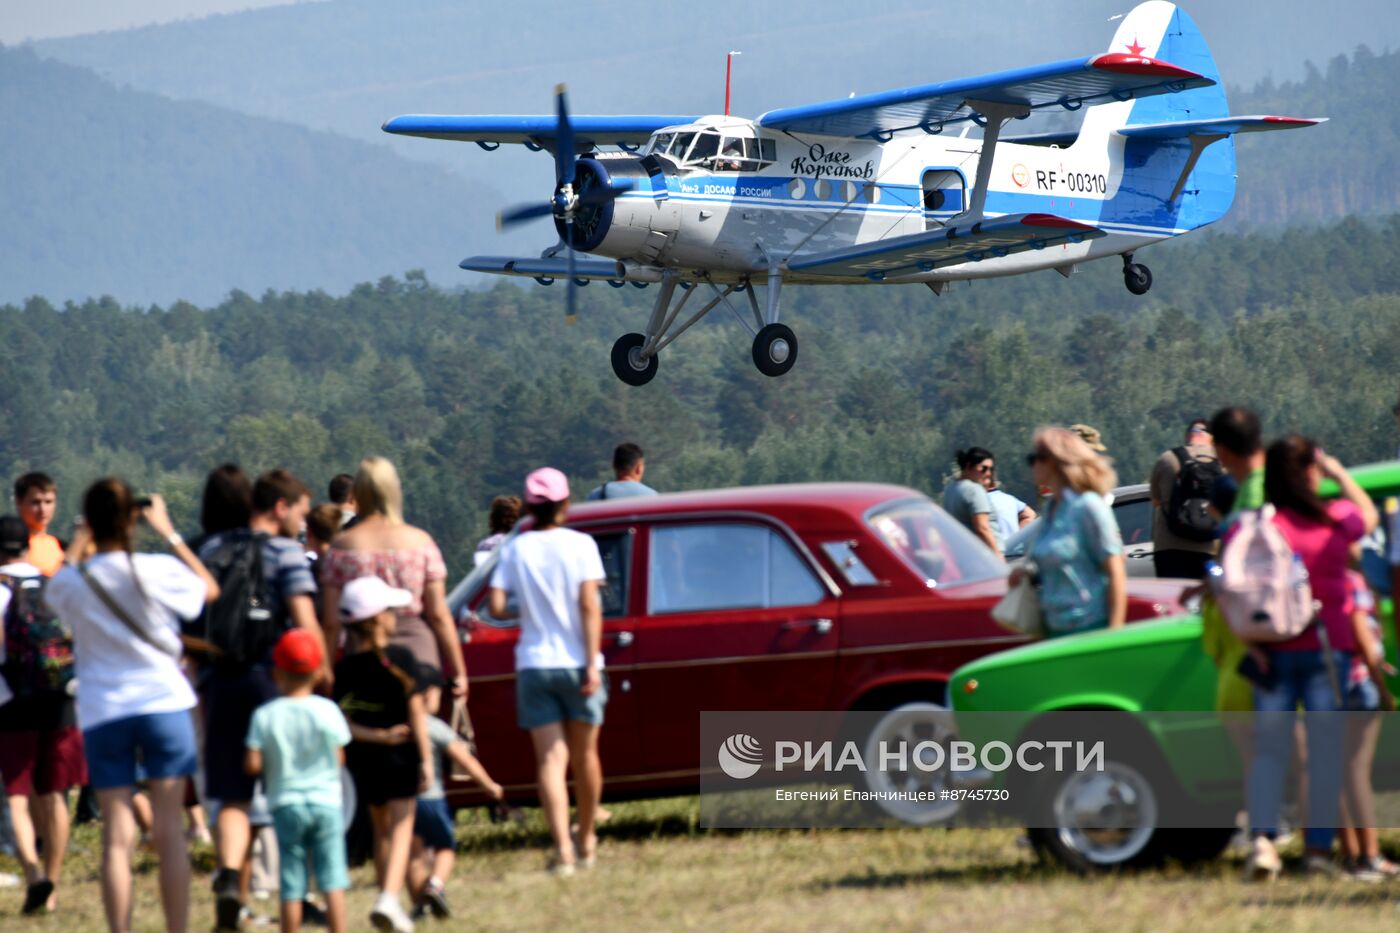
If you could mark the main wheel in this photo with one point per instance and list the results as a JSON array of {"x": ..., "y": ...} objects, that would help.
[
  {"x": 1101, "y": 820},
  {"x": 627, "y": 362},
  {"x": 774, "y": 349},
  {"x": 1138, "y": 278},
  {"x": 911, "y": 724}
]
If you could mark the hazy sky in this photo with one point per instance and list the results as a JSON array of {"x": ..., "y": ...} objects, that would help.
[{"x": 40, "y": 19}]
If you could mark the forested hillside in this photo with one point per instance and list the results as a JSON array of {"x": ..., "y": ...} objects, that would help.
[
  {"x": 347, "y": 65},
  {"x": 468, "y": 391},
  {"x": 114, "y": 191}
]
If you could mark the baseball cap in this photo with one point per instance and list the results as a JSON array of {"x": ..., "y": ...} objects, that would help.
[
  {"x": 14, "y": 534},
  {"x": 1090, "y": 436},
  {"x": 366, "y": 597},
  {"x": 546, "y": 485},
  {"x": 297, "y": 652}
]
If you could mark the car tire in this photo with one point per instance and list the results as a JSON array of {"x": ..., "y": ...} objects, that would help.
[
  {"x": 912, "y": 723},
  {"x": 1067, "y": 804}
]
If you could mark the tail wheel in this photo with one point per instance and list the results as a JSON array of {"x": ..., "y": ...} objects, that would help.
[
  {"x": 775, "y": 349},
  {"x": 627, "y": 362},
  {"x": 1137, "y": 277}
]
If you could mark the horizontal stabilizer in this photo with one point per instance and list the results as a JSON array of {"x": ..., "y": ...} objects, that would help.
[
  {"x": 1069, "y": 84},
  {"x": 557, "y": 267},
  {"x": 948, "y": 246},
  {"x": 1220, "y": 126},
  {"x": 537, "y": 132}
]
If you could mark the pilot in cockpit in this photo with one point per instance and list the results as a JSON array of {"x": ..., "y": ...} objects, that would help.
[{"x": 732, "y": 158}]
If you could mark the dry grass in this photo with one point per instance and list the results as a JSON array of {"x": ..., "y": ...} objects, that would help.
[{"x": 658, "y": 871}]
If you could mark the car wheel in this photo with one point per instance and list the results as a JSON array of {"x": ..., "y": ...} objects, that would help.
[
  {"x": 1100, "y": 820},
  {"x": 910, "y": 723}
]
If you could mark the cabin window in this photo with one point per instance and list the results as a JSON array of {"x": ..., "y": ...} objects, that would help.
[
  {"x": 660, "y": 142},
  {"x": 706, "y": 145}
]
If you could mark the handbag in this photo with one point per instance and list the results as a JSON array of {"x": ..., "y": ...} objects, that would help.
[
  {"x": 1019, "y": 609},
  {"x": 462, "y": 725}
]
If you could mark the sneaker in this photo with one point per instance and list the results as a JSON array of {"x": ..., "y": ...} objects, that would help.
[
  {"x": 559, "y": 868},
  {"x": 1263, "y": 863},
  {"x": 1381, "y": 866},
  {"x": 36, "y": 898},
  {"x": 1324, "y": 866},
  {"x": 228, "y": 906},
  {"x": 388, "y": 914},
  {"x": 1361, "y": 870},
  {"x": 435, "y": 899}
]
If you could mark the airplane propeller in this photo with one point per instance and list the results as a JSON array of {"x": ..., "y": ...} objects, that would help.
[{"x": 567, "y": 201}]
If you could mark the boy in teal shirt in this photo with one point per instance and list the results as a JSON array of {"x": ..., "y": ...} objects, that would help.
[{"x": 297, "y": 743}]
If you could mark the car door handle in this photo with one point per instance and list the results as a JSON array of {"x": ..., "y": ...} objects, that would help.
[
  {"x": 820, "y": 626},
  {"x": 621, "y": 639}
]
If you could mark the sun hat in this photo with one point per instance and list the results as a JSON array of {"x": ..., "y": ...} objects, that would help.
[
  {"x": 366, "y": 597},
  {"x": 1090, "y": 436},
  {"x": 297, "y": 652},
  {"x": 546, "y": 485}
]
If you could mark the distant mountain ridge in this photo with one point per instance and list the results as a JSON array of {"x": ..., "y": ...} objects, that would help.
[{"x": 123, "y": 192}]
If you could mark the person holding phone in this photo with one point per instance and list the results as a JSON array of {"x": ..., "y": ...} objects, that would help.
[{"x": 133, "y": 701}]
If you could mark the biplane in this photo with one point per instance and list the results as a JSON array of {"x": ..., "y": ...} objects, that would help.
[{"x": 922, "y": 185}]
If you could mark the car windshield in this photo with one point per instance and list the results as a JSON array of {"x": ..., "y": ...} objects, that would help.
[
  {"x": 933, "y": 543},
  {"x": 460, "y": 599}
]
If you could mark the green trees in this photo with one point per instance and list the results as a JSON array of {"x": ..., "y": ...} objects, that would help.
[{"x": 467, "y": 391}]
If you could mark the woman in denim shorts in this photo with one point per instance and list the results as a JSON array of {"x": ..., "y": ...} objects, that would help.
[
  {"x": 554, "y": 574},
  {"x": 133, "y": 700}
]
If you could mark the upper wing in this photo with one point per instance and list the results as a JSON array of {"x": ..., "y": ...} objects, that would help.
[
  {"x": 924, "y": 252},
  {"x": 537, "y": 132},
  {"x": 1070, "y": 84},
  {"x": 1226, "y": 126}
]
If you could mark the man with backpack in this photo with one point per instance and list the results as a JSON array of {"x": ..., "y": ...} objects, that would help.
[
  {"x": 1183, "y": 529},
  {"x": 41, "y": 749},
  {"x": 265, "y": 588}
]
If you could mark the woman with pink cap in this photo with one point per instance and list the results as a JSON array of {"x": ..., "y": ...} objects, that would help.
[{"x": 554, "y": 574}]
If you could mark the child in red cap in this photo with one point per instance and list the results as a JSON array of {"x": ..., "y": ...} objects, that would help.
[{"x": 297, "y": 743}]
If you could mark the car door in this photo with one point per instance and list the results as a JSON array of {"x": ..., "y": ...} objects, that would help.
[
  {"x": 505, "y": 748},
  {"x": 739, "y": 617}
]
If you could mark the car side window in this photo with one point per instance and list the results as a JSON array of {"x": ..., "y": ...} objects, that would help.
[
  {"x": 1134, "y": 520},
  {"x": 699, "y": 567},
  {"x": 615, "y": 551}
]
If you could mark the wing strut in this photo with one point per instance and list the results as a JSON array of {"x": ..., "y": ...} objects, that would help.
[{"x": 996, "y": 114}]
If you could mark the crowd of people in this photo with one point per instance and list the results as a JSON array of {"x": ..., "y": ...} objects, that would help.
[
  {"x": 1222, "y": 484},
  {"x": 242, "y": 669},
  {"x": 285, "y": 642}
]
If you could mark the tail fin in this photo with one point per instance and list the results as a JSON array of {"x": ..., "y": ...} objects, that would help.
[{"x": 1161, "y": 30}]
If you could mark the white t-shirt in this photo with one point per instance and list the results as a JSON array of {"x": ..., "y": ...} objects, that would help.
[
  {"x": 19, "y": 570},
  {"x": 119, "y": 673},
  {"x": 545, "y": 569}
]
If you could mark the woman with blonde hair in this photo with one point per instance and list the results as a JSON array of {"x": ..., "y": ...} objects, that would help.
[
  {"x": 1078, "y": 555},
  {"x": 382, "y": 544}
]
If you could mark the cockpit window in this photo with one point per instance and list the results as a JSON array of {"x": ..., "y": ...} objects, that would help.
[
  {"x": 660, "y": 141},
  {"x": 679, "y": 145},
  {"x": 706, "y": 145}
]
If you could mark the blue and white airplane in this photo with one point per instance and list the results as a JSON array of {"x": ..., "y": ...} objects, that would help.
[{"x": 885, "y": 188}]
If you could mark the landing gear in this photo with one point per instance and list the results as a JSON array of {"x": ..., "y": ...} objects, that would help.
[
  {"x": 627, "y": 361},
  {"x": 774, "y": 349},
  {"x": 1136, "y": 276},
  {"x": 774, "y": 345}
]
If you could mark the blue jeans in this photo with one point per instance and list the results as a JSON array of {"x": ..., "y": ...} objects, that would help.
[{"x": 1301, "y": 677}]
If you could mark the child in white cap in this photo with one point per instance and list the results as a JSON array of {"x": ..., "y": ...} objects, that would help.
[
  {"x": 378, "y": 689},
  {"x": 555, "y": 573}
]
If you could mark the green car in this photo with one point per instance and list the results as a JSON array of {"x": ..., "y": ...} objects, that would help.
[{"x": 1161, "y": 685}]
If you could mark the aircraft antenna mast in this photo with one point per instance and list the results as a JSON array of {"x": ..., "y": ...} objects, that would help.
[{"x": 728, "y": 70}]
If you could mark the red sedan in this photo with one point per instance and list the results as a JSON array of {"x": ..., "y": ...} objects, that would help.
[{"x": 833, "y": 596}]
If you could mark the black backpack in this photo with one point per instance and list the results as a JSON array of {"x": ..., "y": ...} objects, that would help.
[
  {"x": 240, "y": 625},
  {"x": 1188, "y": 510},
  {"x": 38, "y": 646}
]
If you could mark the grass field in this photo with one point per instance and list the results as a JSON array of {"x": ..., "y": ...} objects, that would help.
[{"x": 656, "y": 870}]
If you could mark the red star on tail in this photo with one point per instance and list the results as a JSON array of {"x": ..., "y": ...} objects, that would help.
[{"x": 1135, "y": 48}]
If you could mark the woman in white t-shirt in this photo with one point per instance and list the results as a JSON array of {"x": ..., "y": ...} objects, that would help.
[
  {"x": 133, "y": 700},
  {"x": 560, "y": 691}
]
